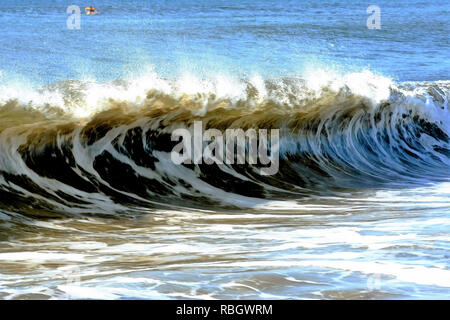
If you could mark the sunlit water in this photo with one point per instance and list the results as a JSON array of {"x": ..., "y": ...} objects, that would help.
[
  {"x": 379, "y": 244},
  {"x": 360, "y": 210}
]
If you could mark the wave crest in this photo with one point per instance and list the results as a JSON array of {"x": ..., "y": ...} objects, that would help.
[{"x": 73, "y": 146}]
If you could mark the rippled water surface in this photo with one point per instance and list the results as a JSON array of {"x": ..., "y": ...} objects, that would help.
[{"x": 384, "y": 244}]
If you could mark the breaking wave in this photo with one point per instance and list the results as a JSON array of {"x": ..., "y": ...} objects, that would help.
[{"x": 78, "y": 147}]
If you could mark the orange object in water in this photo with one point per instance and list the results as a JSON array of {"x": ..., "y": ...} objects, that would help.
[{"x": 90, "y": 10}]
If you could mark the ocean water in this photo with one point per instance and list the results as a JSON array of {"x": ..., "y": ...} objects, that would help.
[{"x": 91, "y": 205}]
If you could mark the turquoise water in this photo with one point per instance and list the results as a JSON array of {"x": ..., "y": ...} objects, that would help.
[{"x": 92, "y": 207}]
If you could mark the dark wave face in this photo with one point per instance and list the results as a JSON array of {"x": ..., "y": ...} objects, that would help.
[{"x": 87, "y": 148}]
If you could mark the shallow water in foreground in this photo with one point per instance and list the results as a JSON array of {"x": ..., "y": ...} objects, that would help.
[{"x": 378, "y": 244}]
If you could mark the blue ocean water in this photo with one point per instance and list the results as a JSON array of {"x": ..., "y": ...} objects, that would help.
[
  {"x": 245, "y": 37},
  {"x": 92, "y": 207}
]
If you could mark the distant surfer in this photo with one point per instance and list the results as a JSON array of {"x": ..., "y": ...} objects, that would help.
[{"x": 90, "y": 11}]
